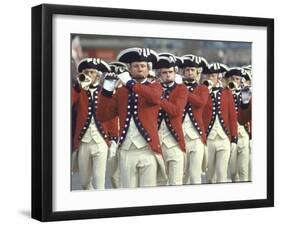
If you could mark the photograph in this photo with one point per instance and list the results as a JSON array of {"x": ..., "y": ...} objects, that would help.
[
  {"x": 139, "y": 112},
  {"x": 159, "y": 112}
]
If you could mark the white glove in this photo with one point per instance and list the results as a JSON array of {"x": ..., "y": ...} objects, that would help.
[
  {"x": 233, "y": 147},
  {"x": 112, "y": 149},
  {"x": 109, "y": 85},
  {"x": 245, "y": 96},
  {"x": 109, "y": 81},
  {"x": 124, "y": 77}
]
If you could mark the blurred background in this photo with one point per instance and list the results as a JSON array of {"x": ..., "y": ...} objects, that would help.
[{"x": 108, "y": 47}]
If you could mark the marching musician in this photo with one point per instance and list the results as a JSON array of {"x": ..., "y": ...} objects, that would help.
[
  {"x": 239, "y": 159},
  {"x": 91, "y": 135},
  {"x": 220, "y": 121},
  {"x": 192, "y": 122},
  {"x": 136, "y": 104},
  {"x": 170, "y": 119}
]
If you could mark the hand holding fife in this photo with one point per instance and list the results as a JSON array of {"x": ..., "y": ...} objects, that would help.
[
  {"x": 109, "y": 81},
  {"x": 124, "y": 77},
  {"x": 246, "y": 95}
]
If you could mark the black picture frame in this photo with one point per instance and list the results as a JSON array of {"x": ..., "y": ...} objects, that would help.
[{"x": 42, "y": 108}]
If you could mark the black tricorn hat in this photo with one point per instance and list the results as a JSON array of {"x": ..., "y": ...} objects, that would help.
[
  {"x": 178, "y": 60},
  {"x": 165, "y": 62},
  {"x": 94, "y": 63},
  {"x": 191, "y": 60},
  {"x": 136, "y": 54},
  {"x": 247, "y": 72},
  {"x": 247, "y": 67},
  {"x": 216, "y": 68},
  {"x": 247, "y": 75},
  {"x": 234, "y": 71}
]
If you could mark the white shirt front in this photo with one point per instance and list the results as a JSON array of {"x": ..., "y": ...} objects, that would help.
[
  {"x": 165, "y": 136},
  {"x": 188, "y": 128}
]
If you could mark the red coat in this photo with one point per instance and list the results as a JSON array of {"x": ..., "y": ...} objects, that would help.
[
  {"x": 197, "y": 100},
  {"x": 140, "y": 103},
  {"x": 223, "y": 106},
  {"x": 173, "y": 105},
  {"x": 112, "y": 129},
  {"x": 86, "y": 107},
  {"x": 245, "y": 117}
]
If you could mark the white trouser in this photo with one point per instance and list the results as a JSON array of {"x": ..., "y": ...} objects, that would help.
[
  {"x": 194, "y": 158},
  {"x": 174, "y": 161},
  {"x": 138, "y": 167},
  {"x": 110, "y": 169},
  {"x": 239, "y": 160},
  {"x": 218, "y": 158},
  {"x": 92, "y": 164},
  {"x": 250, "y": 165},
  {"x": 112, "y": 166}
]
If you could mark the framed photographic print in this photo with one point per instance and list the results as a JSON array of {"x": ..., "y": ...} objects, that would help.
[{"x": 145, "y": 112}]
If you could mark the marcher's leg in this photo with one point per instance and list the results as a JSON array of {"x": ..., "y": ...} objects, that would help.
[
  {"x": 222, "y": 160},
  {"x": 99, "y": 165},
  {"x": 176, "y": 167},
  {"x": 147, "y": 168},
  {"x": 85, "y": 165},
  {"x": 128, "y": 170},
  {"x": 232, "y": 167},
  {"x": 195, "y": 167},
  {"x": 243, "y": 164},
  {"x": 211, "y": 160}
]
